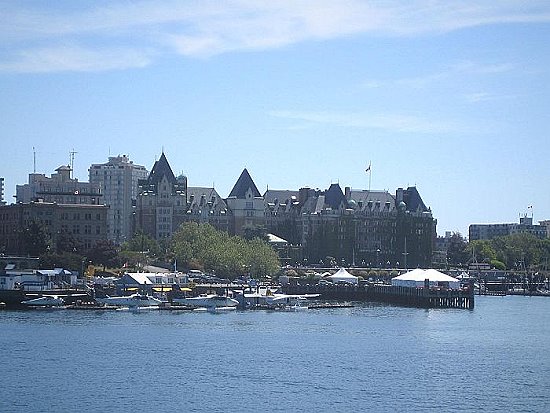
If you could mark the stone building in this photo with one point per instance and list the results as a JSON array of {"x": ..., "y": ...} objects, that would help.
[
  {"x": 490, "y": 231},
  {"x": 204, "y": 205},
  {"x": 85, "y": 224},
  {"x": 246, "y": 205},
  {"x": 353, "y": 227},
  {"x": 161, "y": 201},
  {"x": 60, "y": 188}
]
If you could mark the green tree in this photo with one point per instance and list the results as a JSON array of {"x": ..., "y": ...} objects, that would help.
[
  {"x": 34, "y": 240},
  {"x": 141, "y": 242},
  {"x": 66, "y": 242},
  {"x": 201, "y": 245},
  {"x": 104, "y": 253},
  {"x": 457, "y": 251},
  {"x": 483, "y": 250}
]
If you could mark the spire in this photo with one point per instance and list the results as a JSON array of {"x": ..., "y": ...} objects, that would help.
[
  {"x": 161, "y": 168},
  {"x": 243, "y": 184}
]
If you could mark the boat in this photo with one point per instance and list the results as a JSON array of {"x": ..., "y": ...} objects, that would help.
[
  {"x": 45, "y": 301},
  {"x": 133, "y": 301},
  {"x": 209, "y": 301},
  {"x": 269, "y": 299}
]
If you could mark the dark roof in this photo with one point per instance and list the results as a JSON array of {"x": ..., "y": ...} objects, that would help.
[
  {"x": 413, "y": 200},
  {"x": 372, "y": 200},
  {"x": 161, "y": 168},
  {"x": 280, "y": 196},
  {"x": 201, "y": 197},
  {"x": 244, "y": 183},
  {"x": 334, "y": 197}
]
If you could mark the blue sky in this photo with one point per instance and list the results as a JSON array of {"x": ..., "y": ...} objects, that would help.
[{"x": 450, "y": 96}]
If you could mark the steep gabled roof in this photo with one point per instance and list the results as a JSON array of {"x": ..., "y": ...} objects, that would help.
[
  {"x": 204, "y": 197},
  {"x": 372, "y": 200},
  {"x": 244, "y": 183},
  {"x": 413, "y": 200},
  {"x": 334, "y": 197},
  {"x": 161, "y": 168}
]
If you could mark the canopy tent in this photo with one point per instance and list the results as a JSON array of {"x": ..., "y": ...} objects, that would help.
[
  {"x": 342, "y": 276},
  {"x": 416, "y": 277}
]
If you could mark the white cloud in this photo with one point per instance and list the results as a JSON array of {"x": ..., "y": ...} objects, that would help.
[
  {"x": 209, "y": 27},
  {"x": 389, "y": 122},
  {"x": 75, "y": 58}
]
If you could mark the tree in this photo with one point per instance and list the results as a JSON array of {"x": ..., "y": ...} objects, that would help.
[
  {"x": 34, "y": 240},
  {"x": 201, "y": 245},
  {"x": 104, "y": 253},
  {"x": 65, "y": 242},
  {"x": 457, "y": 251},
  {"x": 141, "y": 242},
  {"x": 483, "y": 250}
]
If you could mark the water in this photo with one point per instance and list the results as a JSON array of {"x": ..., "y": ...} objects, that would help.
[{"x": 366, "y": 358}]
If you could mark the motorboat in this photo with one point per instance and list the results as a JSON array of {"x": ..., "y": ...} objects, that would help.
[
  {"x": 48, "y": 300},
  {"x": 45, "y": 301},
  {"x": 207, "y": 301},
  {"x": 265, "y": 297},
  {"x": 132, "y": 301}
]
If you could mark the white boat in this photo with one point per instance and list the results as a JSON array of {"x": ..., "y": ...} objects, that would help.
[
  {"x": 274, "y": 299},
  {"x": 45, "y": 301},
  {"x": 207, "y": 301},
  {"x": 48, "y": 300},
  {"x": 133, "y": 301}
]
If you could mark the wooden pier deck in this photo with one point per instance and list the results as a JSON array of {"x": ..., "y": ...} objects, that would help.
[{"x": 414, "y": 297}]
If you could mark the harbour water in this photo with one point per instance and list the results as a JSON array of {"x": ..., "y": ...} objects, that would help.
[{"x": 371, "y": 357}]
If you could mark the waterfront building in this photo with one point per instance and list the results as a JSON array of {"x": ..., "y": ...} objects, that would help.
[
  {"x": 353, "y": 227},
  {"x": 246, "y": 205},
  {"x": 161, "y": 201},
  {"x": 118, "y": 180},
  {"x": 85, "y": 224},
  {"x": 546, "y": 224},
  {"x": 205, "y": 205},
  {"x": 490, "y": 231},
  {"x": 60, "y": 188},
  {"x": 441, "y": 247}
]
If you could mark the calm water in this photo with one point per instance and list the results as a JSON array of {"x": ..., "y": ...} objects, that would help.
[{"x": 366, "y": 358}]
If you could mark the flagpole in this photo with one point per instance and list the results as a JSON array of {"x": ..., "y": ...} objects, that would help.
[{"x": 370, "y": 173}]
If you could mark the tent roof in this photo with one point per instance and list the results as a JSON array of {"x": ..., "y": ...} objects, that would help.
[
  {"x": 420, "y": 275},
  {"x": 342, "y": 274},
  {"x": 274, "y": 239}
]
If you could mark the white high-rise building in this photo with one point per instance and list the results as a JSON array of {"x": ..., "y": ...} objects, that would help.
[
  {"x": 118, "y": 180},
  {"x": 2, "y": 202}
]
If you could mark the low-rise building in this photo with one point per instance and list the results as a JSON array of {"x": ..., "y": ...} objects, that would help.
[
  {"x": 84, "y": 223},
  {"x": 490, "y": 231},
  {"x": 60, "y": 188}
]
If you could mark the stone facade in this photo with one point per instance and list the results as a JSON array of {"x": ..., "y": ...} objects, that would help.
[
  {"x": 60, "y": 188},
  {"x": 85, "y": 224}
]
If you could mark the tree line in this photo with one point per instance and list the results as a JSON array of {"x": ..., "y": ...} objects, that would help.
[
  {"x": 520, "y": 251},
  {"x": 192, "y": 246}
]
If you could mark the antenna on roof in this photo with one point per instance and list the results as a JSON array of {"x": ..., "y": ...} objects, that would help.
[
  {"x": 34, "y": 159},
  {"x": 71, "y": 164}
]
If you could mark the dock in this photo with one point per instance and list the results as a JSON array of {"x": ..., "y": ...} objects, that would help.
[{"x": 413, "y": 297}]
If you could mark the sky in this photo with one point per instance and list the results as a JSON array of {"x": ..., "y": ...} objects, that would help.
[{"x": 452, "y": 97}]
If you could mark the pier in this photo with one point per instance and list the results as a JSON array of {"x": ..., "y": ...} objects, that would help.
[{"x": 413, "y": 297}]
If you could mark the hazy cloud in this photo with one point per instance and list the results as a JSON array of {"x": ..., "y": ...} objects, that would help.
[
  {"x": 207, "y": 27},
  {"x": 389, "y": 122}
]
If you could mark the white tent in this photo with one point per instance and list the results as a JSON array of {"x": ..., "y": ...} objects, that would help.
[
  {"x": 343, "y": 276},
  {"x": 416, "y": 277}
]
